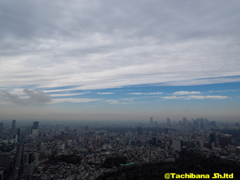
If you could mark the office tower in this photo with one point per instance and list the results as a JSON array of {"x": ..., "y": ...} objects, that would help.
[
  {"x": 168, "y": 122},
  {"x": 225, "y": 140},
  {"x": 151, "y": 120},
  {"x": 35, "y": 125},
  {"x": 13, "y": 128},
  {"x": 206, "y": 122},
  {"x": 184, "y": 121},
  {"x": 212, "y": 137},
  {"x": 212, "y": 140},
  {"x": 1, "y": 128},
  {"x": 35, "y": 128}
]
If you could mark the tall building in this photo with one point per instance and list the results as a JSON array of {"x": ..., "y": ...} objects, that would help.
[
  {"x": 13, "y": 128},
  {"x": 212, "y": 137},
  {"x": 35, "y": 128},
  {"x": 184, "y": 121},
  {"x": 35, "y": 125},
  {"x": 168, "y": 122},
  {"x": 212, "y": 140},
  {"x": 151, "y": 120},
  {"x": 1, "y": 128},
  {"x": 225, "y": 140}
]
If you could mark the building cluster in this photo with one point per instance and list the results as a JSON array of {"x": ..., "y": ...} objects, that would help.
[{"x": 79, "y": 152}]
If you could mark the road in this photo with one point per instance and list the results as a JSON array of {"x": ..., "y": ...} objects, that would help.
[{"x": 15, "y": 175}]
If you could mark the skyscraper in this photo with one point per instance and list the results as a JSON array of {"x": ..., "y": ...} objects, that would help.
[
  {"x": 168, "y": 122},
  {"x": 151, "y": 120},
  {"x": 184, "y": 121},
  {"x": 35, "y": 125},
  {"x": 1, "y": 128},
  {"x": 212, "y": 139},
  {"x": 224, "y": 140},
  {"x": 34, "y": 128},
  {"x": 13, "y": 128}
]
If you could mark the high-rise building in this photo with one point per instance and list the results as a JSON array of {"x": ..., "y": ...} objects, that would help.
[
  {"x": 1, "y": 128},
  {"x": 34, "y": 129},
  {"x": 35, "y": 125},
  {"x": 13, "y": 128},
  {"x": 206, "y": 122},
  {"x": 212, "y": 139},
  {"x": 184, "y": 121},
  {"x": 225, "y": 140},
  {"x": 151, "y": 120},
  {"x": 168, "y": 122}
]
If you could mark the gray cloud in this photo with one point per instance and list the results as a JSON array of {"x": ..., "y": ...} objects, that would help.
[
  {"x": 13, "y": 98},
  {"x": 162, "y": 19},
  {"x": 107, "y": 44},
  {"x": 34, "y": 97}
]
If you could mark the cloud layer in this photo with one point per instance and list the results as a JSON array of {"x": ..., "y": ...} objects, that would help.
[
  {"x": 186, "y": 92},
  {"x": 189, "y": 97},
  {"x": 108, "y": 44},
  {"x": 33, "y": 97}
]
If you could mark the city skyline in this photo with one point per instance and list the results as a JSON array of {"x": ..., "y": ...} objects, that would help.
[{"x": 109, "y": 60}]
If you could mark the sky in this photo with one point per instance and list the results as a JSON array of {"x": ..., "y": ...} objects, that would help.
[{"x": 119, "y": 60}]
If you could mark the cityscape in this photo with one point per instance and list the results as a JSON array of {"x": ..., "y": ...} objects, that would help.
[
  {"x": 119, "y": 90},
  {"x": 79, "y": 151}
]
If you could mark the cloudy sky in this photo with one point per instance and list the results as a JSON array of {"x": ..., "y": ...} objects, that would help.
[{"x": 119, "y": 59}]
